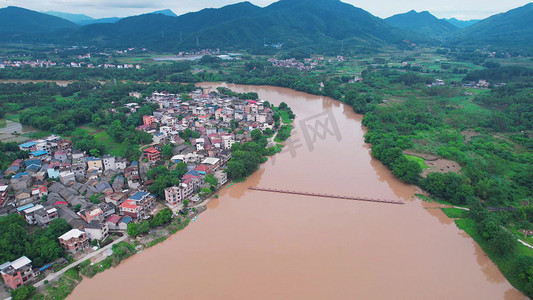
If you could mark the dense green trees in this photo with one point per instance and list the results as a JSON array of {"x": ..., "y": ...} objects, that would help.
[
  {"x": 164, "y": 178},
  {"x": 41, "y": 247},
  {"x": 246, "y": 159}
]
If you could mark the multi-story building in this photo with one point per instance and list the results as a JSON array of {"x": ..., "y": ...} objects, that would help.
[
  {"x": 152, "y": 154},
  {"x": 109, "y": 162},
  {"x": 94, "y": 163},
  {"x": 18, "y": 272},
  {"x": 73, "y": 241},
  {"x": 96, "y": 230},
  {"x": 130, "y": 208},
  {"x": 176, "y": 194}
]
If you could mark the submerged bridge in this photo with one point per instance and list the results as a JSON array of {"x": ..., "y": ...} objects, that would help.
[{"x": 325, "y": 195}]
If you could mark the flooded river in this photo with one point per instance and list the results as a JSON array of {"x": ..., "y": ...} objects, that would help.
[{"x": 260, "y": 245}]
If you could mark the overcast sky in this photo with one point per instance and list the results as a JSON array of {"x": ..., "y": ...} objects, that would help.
[{"x": 461, "y": 9}]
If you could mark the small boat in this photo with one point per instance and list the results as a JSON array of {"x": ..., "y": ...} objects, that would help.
[{"x": 194, "y": 219}]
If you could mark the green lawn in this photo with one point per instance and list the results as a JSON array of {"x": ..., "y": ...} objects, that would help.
[
  {"x": 418, "y": 160},
  {"x": 111, "y": 147},
  {"x": 13, "y": 117},
  {"x": 455, "y": 213}
]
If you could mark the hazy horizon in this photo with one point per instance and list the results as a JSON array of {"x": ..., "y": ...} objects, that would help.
[{"x": 473, "y": 9}]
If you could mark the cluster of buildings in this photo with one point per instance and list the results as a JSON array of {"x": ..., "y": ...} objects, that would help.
[
  {"x": 483, "y": 84},
  {"x": 48, "y": 64},
  {"x": 93, "y": 194},
  {"x": 100, "y": 195},
  {"x": 307, "y": 64},
  {"x": 215, "y": 119}
]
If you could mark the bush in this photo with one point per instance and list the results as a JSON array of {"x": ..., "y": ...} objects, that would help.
[{"x": 23, "y": 292}]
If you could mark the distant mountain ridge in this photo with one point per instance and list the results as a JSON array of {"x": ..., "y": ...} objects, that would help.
[
  {"x": 512, "y": 28},
  {"x": 166, "y": 12},
  {"x": 75, "y": 18},
  {"x": 423, "y": 23},
  {"x": 294, "y": 23},
  {"x": 15, "y": 20},
  {"x": 309, "y": 25},
  {"x": 461, "y": 23}
]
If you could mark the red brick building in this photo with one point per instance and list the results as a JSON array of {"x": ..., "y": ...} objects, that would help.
[
  {"x": 148, "y": 120},
  {"x": 152, "y": 154},
  {"x": 16, "y": 273},
  {"x": 74, "y": 241}
]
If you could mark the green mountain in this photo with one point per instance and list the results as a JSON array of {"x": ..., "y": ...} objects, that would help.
[
  {"x": 511, "y": 29},
  {"x": 317, "y": 24},
  {"x": 75, "y": 18},
  {"x": 423, "y": 23},
  {"x": 166, "y": 12},
  {"x": 17, "y": 22},
  {"x": 461, "y": 23}
]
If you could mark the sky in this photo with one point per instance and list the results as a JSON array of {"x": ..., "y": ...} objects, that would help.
[{"x": 460, "y": 9}]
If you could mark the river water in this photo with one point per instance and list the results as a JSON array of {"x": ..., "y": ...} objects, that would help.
[{"x": 260, "y": 245}]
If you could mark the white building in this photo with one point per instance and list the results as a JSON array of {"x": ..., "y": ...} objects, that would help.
[{"x": 109, "y": 162}]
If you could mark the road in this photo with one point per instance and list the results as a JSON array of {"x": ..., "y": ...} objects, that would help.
[{"x": 53, "y": 276}]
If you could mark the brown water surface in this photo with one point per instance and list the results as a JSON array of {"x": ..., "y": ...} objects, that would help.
[{"x": 259, "y": 245}]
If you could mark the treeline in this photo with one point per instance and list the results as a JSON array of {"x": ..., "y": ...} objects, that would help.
[
  {"x": 513, "y": 105},
  {"x": 502, "y": 245},
  {"x": 148, "y": 73},
  {"x": 63, "y": 110},
  {"x": 9, "y": 152},
  {"x": 41, "y": 247},
  {"x": 243, "y": 96},
  {"x": 501, "y": 74}
]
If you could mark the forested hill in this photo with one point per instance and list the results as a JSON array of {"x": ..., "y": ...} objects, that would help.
[
  {"x": 293, "y": 23},
  {"x": 422, "y": 22},
  {"x": 16, "y": 20},
  {"x": 319, "y": 24},
  {"x": 513, "y": 28}
]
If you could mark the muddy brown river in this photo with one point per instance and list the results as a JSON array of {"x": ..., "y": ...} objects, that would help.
[{"x": 260, "y": 245}]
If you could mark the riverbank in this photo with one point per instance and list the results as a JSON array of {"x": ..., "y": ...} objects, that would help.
[{"x": 312, "y": 247}]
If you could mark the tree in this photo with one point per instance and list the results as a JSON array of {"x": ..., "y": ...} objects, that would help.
[
  {"x": 132, "y": 230},
  {"x": 23, "y": 292},
  {"x": 94, "y": 152},
  {"x": 256, "y": 134},
  {"x": 503, "y": 242},
  {"x": 167, "y": 152},
  {"x": 211, "y": 180},
  {"x": 143, "y": 227},
  {"x": 205, "y": 192}
]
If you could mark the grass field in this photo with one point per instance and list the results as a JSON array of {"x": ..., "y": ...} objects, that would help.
[
  {"x": 112, "y": 147},
  {"x": 455, "y": 213},
  {"x": 418, "y": 160}
]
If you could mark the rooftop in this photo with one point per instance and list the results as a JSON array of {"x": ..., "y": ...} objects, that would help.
[
  {"x": 138, "y": 196},
  {"x": 20, "y": 262},
  {"x": 73, "y": 233},
  {"x": 28, "y": 144},
  {"x": 39, "y": 153}
]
